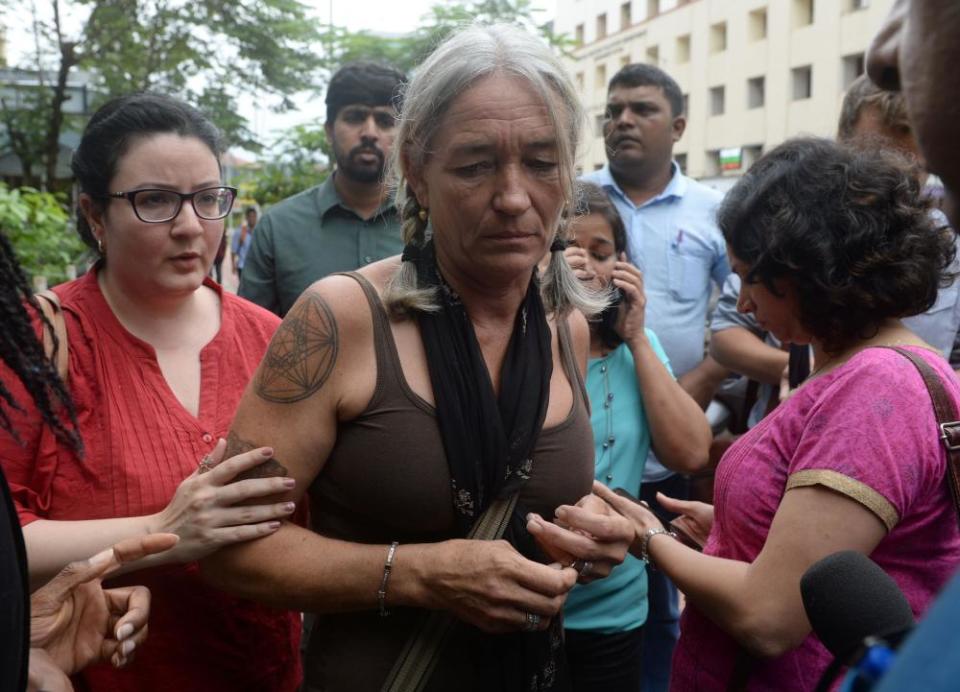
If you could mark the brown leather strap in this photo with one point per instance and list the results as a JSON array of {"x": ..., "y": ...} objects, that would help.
[
  {"x": 947, "y": 420},
  {"x": 54, "y": 342}
]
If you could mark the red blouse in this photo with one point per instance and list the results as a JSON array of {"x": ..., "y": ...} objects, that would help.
[{"x": 140, "y": 442}]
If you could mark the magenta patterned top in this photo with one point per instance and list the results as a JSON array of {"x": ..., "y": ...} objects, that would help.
[{"x": 866, "y": 429}]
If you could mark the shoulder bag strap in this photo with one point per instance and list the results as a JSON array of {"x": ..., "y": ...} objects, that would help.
[
  {"x": 946, "y": 413},
  {"x": 419, "y": 656},
  {"x": 55, "y": 342}
]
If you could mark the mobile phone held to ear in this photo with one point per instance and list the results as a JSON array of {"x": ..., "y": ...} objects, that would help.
[{"x": 682, "y": 534}]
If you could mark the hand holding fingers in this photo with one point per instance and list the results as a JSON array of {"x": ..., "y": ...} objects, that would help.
[
  {"x": 599, "y": 537},
  {"x": 641, "y": 517},
  {"x": 491, "y": 586}
]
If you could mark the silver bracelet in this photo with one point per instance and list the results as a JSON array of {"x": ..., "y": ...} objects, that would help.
[
  {"x": 387, "y": 567},
  {"x": 645, "y": 545}
]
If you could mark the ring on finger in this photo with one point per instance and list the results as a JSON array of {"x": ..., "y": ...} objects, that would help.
[
  {"x": 531, "y": 622},
  {"x": 206, "y": 464},
  {"x": 585, "y": 569}
]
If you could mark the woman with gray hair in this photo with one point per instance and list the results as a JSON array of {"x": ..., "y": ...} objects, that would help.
[{"x": 439, "y": 397}]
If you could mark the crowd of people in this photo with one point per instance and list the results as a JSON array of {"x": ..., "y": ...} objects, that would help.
[{"x": 442, "y": 438}]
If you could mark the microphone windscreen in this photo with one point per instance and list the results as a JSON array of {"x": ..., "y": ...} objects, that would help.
[{"x": 848, "y": 598}]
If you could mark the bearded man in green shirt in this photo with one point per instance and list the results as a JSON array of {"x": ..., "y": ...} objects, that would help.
[{"x": 345, "y": 222}]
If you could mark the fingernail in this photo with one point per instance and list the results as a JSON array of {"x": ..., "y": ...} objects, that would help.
[
  {"x": 273, "y": 525},
  {"x": 117, "y": 661},
  {"x": 266, "y": 452},
  {"x": 289, "y": 507},
  {"x": 561, "y": 512},
  {"x": 124, "y": 631},
  {"x": 534, "y": 526},
  {"x": 127, "y": 648},
  {"x": 289, "y": 482}
]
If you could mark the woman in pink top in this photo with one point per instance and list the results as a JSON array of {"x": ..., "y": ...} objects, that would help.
[{"x": 833, "y": 247}]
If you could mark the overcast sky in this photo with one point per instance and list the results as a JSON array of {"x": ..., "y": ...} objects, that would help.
[{"x": 386, "y": 16}]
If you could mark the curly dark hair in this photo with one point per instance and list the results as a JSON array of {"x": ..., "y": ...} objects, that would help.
[
  {"x": 850, "y": 229},
  {"x": 24, "y": 355}
]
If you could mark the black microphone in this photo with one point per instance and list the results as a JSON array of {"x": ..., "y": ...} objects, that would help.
[{"x": 849, "y": 600}]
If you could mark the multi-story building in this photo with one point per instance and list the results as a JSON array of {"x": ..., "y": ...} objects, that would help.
[{"x": 753, "y": 72}]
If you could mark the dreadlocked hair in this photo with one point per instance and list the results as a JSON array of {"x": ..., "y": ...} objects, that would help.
[{"x": 24, "y": 355}]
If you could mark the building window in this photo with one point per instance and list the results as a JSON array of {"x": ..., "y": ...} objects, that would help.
[
  {"x": 624, "y": 60},
  {"x": 600, "y": 78},
  {"x": 717, "y": 99},
  {"x": 579, "y": 34},
  {"x": 802, "y": 78},
  {"x": 681, "y": 160},
  {"x": 712, "y": 163},
  {"x": 857, "y": 5},
  {"x": 683, "y": 49},
  {"x": 653, "y": 55},
  {"x": 653, "y": 8},
  {"x": 751, "y": 154},
  {"x": 852, "y": 68},
  {"x": 598, "y": 124},
  {"x": 626, "y": 18},
  {"x": 686, "y": 104},
  {"x": 802, "y": 12},
  {"x": 756, "y": 92},
  {"x": 580, "y": 82},
  {"x": 601, "y": 26},
  {"x": 718, "y": 37},
  {"x": 757, "y": 24}
]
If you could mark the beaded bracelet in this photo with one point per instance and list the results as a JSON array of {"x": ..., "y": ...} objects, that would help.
[
  {"x": 387, "y": 567},
  {"x": 645, "y": 545}
]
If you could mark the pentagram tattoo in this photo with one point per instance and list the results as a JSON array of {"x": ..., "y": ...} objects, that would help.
[
  {"x": 270, "y": 468},
  {"x": 302, "y": 353}
]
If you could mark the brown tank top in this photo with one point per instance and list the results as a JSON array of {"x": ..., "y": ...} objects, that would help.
[{"x": 387, "y": 479}]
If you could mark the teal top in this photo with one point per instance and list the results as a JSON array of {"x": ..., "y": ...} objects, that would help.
[{"x": 621, "y": 438}]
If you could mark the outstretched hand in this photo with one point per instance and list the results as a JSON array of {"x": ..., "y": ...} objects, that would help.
[
  {"x": 590, "y": 537},
  {"x": 77, "y": 622}
]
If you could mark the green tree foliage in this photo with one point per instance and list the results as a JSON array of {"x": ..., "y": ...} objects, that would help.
[
  {"x": 407, "y": 51},
  {"x": 297, "y": 159},
  {"x": 38, "y": 225},
  {"x": 213, "y": 53}
]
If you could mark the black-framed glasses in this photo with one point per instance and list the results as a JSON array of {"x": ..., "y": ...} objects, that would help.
[{"x": 153, "y": 205}]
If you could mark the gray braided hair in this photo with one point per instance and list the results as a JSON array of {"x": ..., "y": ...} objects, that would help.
[{"x": 457, "y": 64}]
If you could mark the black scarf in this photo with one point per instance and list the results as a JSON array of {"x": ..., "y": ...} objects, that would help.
[{"x": 489, "y": 440}]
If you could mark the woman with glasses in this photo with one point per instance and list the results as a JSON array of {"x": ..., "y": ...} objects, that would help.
[{"x": 158, "y": 358}]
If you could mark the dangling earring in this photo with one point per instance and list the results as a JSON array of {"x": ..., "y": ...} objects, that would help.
[
  {"x": 422, "y": 214},
  {"x": 100, "y": 245}
]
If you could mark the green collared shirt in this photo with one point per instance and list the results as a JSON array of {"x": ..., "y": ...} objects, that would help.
[{"x": 309, "y": 236}]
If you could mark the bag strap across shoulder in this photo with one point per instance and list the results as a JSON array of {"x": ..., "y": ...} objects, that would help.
[
  {"x": 947, "y": 420},
  {"x": 54, "y": 343},
  {"x": 420, "y": 654}
]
